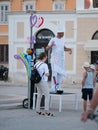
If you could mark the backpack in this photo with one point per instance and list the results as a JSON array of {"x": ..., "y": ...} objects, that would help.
[{"x": 35, "y": 76}]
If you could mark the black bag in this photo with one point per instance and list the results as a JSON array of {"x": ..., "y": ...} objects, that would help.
[{"x": 35, "y": 76}]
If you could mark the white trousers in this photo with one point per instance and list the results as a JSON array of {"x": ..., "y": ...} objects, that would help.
[
  {"x": 58, "y": 78},
  {"x": 42, "y": 88}
]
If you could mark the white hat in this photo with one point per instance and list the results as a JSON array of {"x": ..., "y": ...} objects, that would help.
[
  {"x": 60, "y": 29},
  {"x": 86, "y": 65},
  {"x": 92, "y": 66}
]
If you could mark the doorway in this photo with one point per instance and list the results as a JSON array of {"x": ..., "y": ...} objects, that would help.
[
  {"x": 42, "y": 39},
  {"x": 94, "y": 57},
  {"x": 94, "y": 54}
]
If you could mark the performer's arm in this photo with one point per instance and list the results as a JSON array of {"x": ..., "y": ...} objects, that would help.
[
  {"x": 68, "y": 49},
  {"x": 50, "y": 45}
]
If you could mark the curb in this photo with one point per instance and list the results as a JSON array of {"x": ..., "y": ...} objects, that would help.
[
  {"x": 8, "y": 84},
  {"x": 11, "y": 106},
  {"x": 64, "y": 85}
]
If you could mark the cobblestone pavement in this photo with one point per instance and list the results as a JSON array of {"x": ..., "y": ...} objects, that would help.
[{"x": 26, "y": 119}]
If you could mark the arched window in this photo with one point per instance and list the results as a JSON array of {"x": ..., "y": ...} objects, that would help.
[
  {"x": 95, "y": 36},
  {"x": 94, "y": 54},
  {"x": 44, "y": 36}
]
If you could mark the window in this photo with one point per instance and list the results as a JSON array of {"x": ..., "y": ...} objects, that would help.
[
  {"x": 95, "y": 36},
  {"x": 29, "y": 5},
  {"x": 94, "y": 54},
  {"x": 95, "y": 3},
  {"x": 58, "y": 5},
  {"x": 4, "y": 8},
  {"x": 44, "y": 36},
  {"x": 3, "y": 53}
]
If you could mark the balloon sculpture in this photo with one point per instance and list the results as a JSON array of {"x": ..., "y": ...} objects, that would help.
[
  {"x": 35, "y": 21},
  {"x": 33, "y": 39},
  {"x": 26, "y": 61}
]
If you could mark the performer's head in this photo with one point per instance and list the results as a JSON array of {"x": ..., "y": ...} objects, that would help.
[{"x": 60, "y": 32}]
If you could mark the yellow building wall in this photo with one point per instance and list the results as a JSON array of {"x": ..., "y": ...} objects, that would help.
[
  {"x": 70, "y": 4},
  {"x": 16, "y": 5},
  {"x": 47, "y": 5},
  {"x": 4, "y": 40},
  {"x": 44, "y": 5},
  {"x": 3, "y": 28}
]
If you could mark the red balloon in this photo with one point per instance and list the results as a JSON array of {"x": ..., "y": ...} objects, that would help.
[{"x": 41, "y": 21}]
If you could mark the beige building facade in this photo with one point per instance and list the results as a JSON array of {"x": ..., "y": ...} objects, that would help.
[{"x": 80, "y": 25}]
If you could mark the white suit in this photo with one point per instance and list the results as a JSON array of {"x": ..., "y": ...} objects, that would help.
[{"x": 57, "y": 61}]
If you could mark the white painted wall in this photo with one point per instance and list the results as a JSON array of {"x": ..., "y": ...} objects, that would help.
[{"x": 21, "y": 75}]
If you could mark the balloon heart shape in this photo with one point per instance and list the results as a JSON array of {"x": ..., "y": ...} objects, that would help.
[
  {"x": 36, "y": 21},
  {"x": 40, "y": 21},
  {"x": 33, "y": 20}
]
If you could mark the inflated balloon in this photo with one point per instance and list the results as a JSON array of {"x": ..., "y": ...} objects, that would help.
[
  {"x": 26, "y": 61},
  {"x": 27, "y": 64},
  {"x": 36, "y": 21},
  {"x": 31, "y": 40},
  {"x": 28, "y": 58},
  {"x": 33, "y": 20},
  {"x": 40, "y": 21},
  {"x": 17, "y": 57}
]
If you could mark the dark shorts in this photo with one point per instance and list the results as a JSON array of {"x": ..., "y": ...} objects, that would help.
[{"x": 87, "y": 93}]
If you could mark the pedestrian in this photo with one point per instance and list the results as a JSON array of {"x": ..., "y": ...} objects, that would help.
[
  {"x": 57, "y": 45},
  {"x": 92, "y": 107},
  {"x": 88, "y": 84},
  {"x": 42, "y": 86}
]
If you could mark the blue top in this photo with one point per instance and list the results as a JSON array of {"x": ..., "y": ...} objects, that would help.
[{"x": 89, "y": 80}]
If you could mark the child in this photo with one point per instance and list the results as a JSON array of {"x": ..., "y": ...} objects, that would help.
[
  {"x": 42, "y": 86},
  {"x": 88, "y": 83}
]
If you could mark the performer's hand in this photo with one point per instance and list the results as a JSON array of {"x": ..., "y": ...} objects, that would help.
[
  {"x": 53, "y": 44},
  {"x": 50, "y": 46},
  {"x": 70, "y": 52}
]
